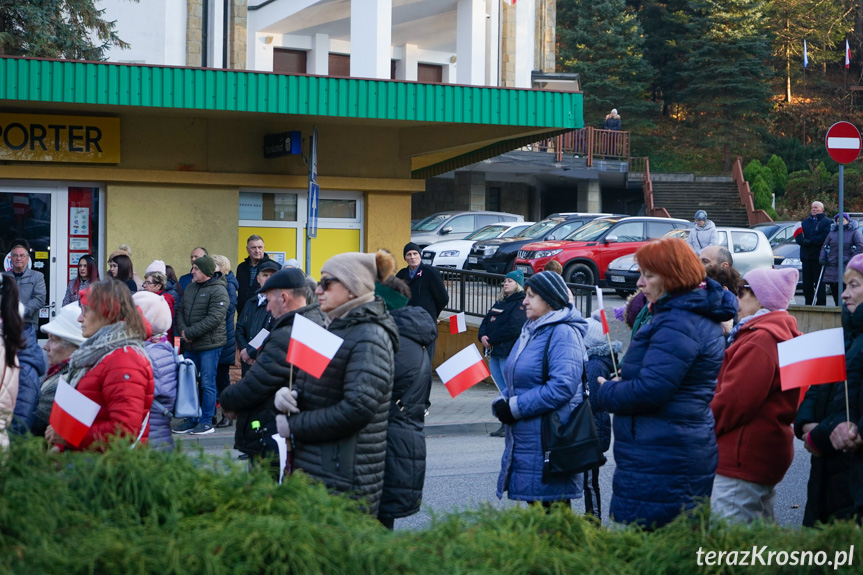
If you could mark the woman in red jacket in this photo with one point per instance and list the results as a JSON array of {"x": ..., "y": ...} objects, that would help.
[
  {"x": 111, "y": 366},
  {"x": 753, "y": 415}
]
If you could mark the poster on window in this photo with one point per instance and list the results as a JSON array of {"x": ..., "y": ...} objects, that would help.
[{"x": 79, "y": 221}]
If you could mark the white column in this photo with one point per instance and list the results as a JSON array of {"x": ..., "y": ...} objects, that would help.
[
  {"x": 318, "y": 59},
  {"x": 492, "y": 60},
  {"x": 371, "y": 38},
  {"x": 406, "y": 66},
  {"x": 260, "y": 56},
  {"x": 470, "y": 42},
  {"x": 525, "y": 41}
]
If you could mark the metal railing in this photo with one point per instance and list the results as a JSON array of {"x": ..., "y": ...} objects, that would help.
[
  {"x": 589, "y": 143},
  {"x": 474, "y": 292}
]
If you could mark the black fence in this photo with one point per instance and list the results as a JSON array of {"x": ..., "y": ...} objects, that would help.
[{"x": 474, "y": 292}]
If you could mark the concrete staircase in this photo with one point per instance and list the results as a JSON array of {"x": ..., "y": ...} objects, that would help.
[{"x": 719, "y": 197}]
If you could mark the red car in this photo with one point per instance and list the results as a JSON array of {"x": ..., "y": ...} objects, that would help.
[{"x": 586, "y": 252}]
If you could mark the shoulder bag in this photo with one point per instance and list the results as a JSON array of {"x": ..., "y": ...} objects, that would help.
[{"x": 188, "y": 403}]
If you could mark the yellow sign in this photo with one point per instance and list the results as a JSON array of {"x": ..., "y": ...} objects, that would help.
[
  {"x": 42, "y": 138},
  {"x": 42, "y": 255}
]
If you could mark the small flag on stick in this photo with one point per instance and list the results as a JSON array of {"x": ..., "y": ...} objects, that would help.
[
  {"x": 847, "y": 55},
  {"x": 805, "y": 55},
  {"x": 798, "y": 229},
  {"x": 463, "y": 370},
  {"x": 312, "y": 347},
  {"x": 457, "y": 323},
  {"x": 603, "y": 318},
  {"x": 813, "y": 358},
  {"x": 73, "y": 413}
]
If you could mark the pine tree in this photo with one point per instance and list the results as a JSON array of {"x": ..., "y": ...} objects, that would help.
[
  {"x": 602, "y": 41},
  {"x": 72, "y": 29}
]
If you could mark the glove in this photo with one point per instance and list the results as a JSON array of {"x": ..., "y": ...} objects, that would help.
[
  {"x": 286, "y": 401},
  {"x": 502, "y": 412},
  {"x": 283, "y": 426}
]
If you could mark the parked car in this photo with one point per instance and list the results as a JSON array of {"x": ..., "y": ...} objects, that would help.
[
  {"x": 777, "y": 232},
  {"x": 454, "y": 253},
  {"x": 749, "y": 248},
  {"x": 586, "y": 253},
  {"x": 498, "y": 256},
  {"x": 455, "y": 225},
  {"x": 787, "y": 255}
]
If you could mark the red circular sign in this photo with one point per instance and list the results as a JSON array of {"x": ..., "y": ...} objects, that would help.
[{"x": 843, "y": 142}]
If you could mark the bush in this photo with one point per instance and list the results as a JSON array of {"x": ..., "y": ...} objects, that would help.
[
  {"x": 780, "y": 173},
  {"x": 169, "y": 513},
  {"x": 762, "y": 198}
]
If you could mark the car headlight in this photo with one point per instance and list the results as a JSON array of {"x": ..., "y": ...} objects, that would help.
[
  {"x": 792, "y": 262},
  {"x": 491, "y": 250},
  {"x": 546, "y": 253},
  {"x": 449, "y": 254},
  {"x": 634, "y": 268},
  {"x": 622, "y": 265}
]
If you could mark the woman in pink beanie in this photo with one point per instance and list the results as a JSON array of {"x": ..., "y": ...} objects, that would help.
[{"x": 753, "y": 415}]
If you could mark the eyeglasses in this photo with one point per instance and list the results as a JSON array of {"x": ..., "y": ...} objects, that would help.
[
  {"x": 743, "y": 289},
  {"x": 325, "y": 282},
  {"x": 148, "y": 283}
]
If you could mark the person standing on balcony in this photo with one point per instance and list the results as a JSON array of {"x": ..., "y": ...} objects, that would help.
[
  {"x": 612, "y": 121},
  {"x": 815, "y": 230},
  {"x": 427, "y": 288},
  {"x": 703, "y": 234}
]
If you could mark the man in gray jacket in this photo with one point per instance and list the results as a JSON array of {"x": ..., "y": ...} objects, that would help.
[
  {"x": 201, "y": 324},
  {"x": 32, "y": 295}
]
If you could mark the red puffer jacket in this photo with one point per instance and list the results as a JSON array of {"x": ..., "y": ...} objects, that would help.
[{"x": 122, "y": 383}]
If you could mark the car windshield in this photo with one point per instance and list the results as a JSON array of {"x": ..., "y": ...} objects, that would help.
[
  {"x": 430, "y": 223},
  {"x": 591, "y": 231},
  {"x": 514, "y": 231},
  {"x": 486, "y": 233},
  {"x": 768, "y": 229},
  {"x": 539, "y": 229}
]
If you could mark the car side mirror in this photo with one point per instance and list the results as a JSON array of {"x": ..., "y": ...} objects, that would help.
[
  {"x": 611, "y": 239},
  {"x": 446, "y": 230},
  {"x": 550, "y": 238}
]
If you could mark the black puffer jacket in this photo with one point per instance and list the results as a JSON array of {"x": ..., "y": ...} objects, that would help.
[
  {"x": 340, "y": 433},
  {"x": 252, "y": 397},
  {"x": 427, "y": 289},
  {"x": 502, "y": 324},
  {"x": 406, "y": 443},
  {"x": 245, "y": 289},
  {"x": 202, "y": 316},
  {"x": 253, "y": 319}
]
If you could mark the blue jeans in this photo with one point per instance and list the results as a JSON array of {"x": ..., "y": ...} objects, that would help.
[
  {"x": 207, "y": 363},
  {"x": 495, "y": 366}
]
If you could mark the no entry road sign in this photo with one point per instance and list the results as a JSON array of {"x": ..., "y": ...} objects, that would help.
[{"x": 843, "y": 142}]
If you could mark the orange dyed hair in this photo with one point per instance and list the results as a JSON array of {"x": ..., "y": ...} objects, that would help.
[
  {"x": 674, "y": 261},
  {"x": 112, "y": 300}
]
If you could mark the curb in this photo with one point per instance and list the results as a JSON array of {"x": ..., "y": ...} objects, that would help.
[{"x": 226, "y": 440}]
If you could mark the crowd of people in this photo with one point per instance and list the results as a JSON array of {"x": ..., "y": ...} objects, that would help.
[{"x": 695, "y": 403}]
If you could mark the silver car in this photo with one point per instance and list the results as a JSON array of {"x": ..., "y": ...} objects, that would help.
[{"x": 455, "y": 225}]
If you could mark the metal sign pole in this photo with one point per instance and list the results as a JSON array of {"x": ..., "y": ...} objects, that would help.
[
  {"x": 841, "y": 261},
  {"x": 314, "y": 193}
]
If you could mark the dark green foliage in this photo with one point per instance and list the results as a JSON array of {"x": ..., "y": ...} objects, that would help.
[
  {"x": 762, "y": 196},
  {"x": 602, "y": 41},
  {"x": 795, "y": 155},
  {"x": 71, "y": 29},
  {"x": 780, "y": 173},
  {"x": 145, "y": 512}
]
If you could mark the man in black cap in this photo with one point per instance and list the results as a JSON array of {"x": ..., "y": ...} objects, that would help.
[
  {"x": 254, "y": 317},
  {"x": 427, "y": 288},
  {"x": 250, "y": 401}
]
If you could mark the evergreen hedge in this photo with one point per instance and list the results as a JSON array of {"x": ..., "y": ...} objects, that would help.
[{"x": 184, "y": 513}]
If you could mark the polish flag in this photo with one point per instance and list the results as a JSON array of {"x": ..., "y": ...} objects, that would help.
[
  {"x": 847, "y": 55},
  {"x": 312, "y": 347},
  {"x": 457, "y": 323},
  {"x": 463, "y": 370},
  {"x": 813, "y": 358},
  {"x": 798, "y": 229},
  {"x": 604, "y": 319},
  {"x": 73, "y": 413}
]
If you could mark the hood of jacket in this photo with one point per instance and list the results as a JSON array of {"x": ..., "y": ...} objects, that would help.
[
  {"x": 374, "y": 311},
  {"x": 850, "y": 226},
  {"x": 780, "y": 324},
  {"x": 709, "y": 299},
  {"x": 415, "y": 324},
  {"x": 706, "y": 228},
  {"x": 217, "y": 279}
]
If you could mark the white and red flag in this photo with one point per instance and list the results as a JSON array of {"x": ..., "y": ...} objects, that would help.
[
  {"x": 813, "y": 358},
  {"x": 457, "y": 323},
  {"x": 847, "y": 55},
  {"x": 312, "y": 347},
  {"x": 798, "y": 229},
  {"x": 73, "y": 413},
  {"x": 602, "y": 316},
  {"x": 463, "y": 370}
]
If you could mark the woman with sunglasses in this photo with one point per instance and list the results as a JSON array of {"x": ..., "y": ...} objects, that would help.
[
  {"x": 340, "y": 432},
  {"x": 111, "y": 367},
  {"x": 87, "y": 274},
  {"x": 664, "y": 444},
  {"x": 753, "y": 415}
]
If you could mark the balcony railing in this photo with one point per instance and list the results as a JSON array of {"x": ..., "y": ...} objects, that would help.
[{"x": 588, "y": 143}]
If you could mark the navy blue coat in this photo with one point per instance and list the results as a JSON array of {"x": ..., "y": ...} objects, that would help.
[
  {"x": 664, "y": 441},
  {"x": 502, "y": 324},
  {"x": 530, "y": 398},
  {"x": 229, "y": 351},
  {"x": 815, "y": 231},
  {"x": 32, "y": 364}
]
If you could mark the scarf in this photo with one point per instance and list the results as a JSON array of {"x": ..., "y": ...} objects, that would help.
[
  {"x": 733, "y": 334},
  {"x": 528, "y": 331},
  {"x": 94, "y": 349},
  {"x": 348, "y": 306}
]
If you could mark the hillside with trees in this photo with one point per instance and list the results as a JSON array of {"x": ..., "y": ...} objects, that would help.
[{"x": 699, "y": 82}]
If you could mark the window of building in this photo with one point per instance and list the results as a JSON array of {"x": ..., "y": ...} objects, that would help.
[
  {"x": 268, "y": 206},
  {"x": 492, "y": 199},
  {"x": 340, "y": 65},
  {"x": 289, "y": 61},
  {"x": 340, "y": 209}
]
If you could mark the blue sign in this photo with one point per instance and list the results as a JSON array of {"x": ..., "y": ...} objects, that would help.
[
  {"x": 284, "y": 144},
  {"x": 314, "y": 189}
]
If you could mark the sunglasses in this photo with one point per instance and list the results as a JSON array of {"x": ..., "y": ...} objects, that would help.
[
  {"x": 325, "y": 282},
  {"x": 743, "y": 289}
]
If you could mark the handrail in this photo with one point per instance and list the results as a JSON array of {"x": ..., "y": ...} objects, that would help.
[
  {"x": 641, "y": 166},
  {"x": 746, "y": 196},
  {"x": 588, "y": 143}
]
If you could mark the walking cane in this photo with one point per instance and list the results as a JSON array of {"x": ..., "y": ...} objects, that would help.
[{"x": 818, "y": 285}]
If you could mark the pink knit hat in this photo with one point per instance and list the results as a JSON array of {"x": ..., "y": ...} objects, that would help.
[
  {"x": 856, "y": 264},
  {"x": 773, "y": 288}
]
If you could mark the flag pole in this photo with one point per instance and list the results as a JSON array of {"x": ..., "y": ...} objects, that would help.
[
  {"x": 611, "y": 350},
  {"x": 291, "y": 379},
  {"x": 847, "y": 405}
]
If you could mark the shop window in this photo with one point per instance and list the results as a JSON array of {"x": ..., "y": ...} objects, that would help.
[
  {"x": 340, "y": 209},
  {"x": 268, "y": 207}
]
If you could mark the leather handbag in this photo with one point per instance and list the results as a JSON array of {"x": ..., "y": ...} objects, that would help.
[
  {"x": 572, "y": 446},
  {"x": 188, "y": 403}
]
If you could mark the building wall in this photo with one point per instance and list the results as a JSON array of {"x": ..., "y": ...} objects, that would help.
[
  {"x": 388, "y": 222},
  {"x": 194, "y": 34},
  {"x": 238, "y": 39},
  {"x": 546, "y": 33},
  {"x": 165, "y": 222}
]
